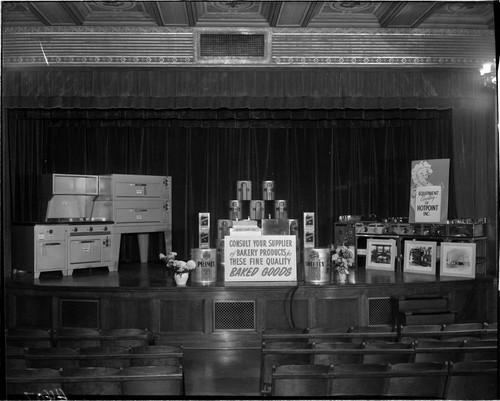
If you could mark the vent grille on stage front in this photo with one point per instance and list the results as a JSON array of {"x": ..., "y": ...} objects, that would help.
[
  {"x": 234, "y": 315},
  {"x": 78, "y": 313},
  {"x": 380, "y": 311},
  {"x": 231, "y": 45}
]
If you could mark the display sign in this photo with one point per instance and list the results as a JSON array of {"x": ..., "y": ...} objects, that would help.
[
  {"x": 265, "y": 258},
  {"x": 428, "y": 204},
  {"x": 429, "y": 191}
]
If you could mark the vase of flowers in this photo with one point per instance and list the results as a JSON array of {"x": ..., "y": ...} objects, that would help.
[
  {"x": 342, "y": 262},
  {"x": 179, "y": 268}
]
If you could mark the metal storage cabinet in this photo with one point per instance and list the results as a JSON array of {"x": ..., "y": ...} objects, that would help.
[{"x": 138, "y": 204}]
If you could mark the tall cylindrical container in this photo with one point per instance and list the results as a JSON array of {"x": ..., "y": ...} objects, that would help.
[
  {"x": 316, "y": 262},
  {"x": 268, "y": 190},
  {"x": 280, "y": 209},
  {"x": 244, "y": 190},
  {"x": 236, "y": 209},
  {"x": 257, "y": 210},
  {"x": 223, "y": 227},
  {"x": 206, "y": 265}
]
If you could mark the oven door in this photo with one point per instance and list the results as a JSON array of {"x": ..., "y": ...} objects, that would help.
[
  {"x": 84, "y": 250},
  {"x": 50, "y": 255}
]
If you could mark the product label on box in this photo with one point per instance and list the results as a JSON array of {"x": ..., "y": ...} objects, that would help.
[{"x": 263, "y": 258}]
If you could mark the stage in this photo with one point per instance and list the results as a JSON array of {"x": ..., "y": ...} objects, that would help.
[{"x": 146, "y": 296}]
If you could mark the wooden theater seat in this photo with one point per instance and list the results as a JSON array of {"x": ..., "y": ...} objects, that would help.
[
  {"x": 360, "y": 381},
  {"x": 414, "y": 332},
  {"x": 91, "y": 381},
  {"x": 106, "y": 357},
  {"x": 476, "y": 380},
  {"x": 418, "y": 380},
  {"x": 29, "y": 338},
  {"x": 156, "y": 355},
  {"x": 53, "y": 357},
  {"x": 15, "y": 357},
  {"x": 373, "y": 333},
  {"x": 126, "y": 338},
  {"x": 481, "y": 350},
  {"x": 462, "y": 331},
  {"x": 277, "y": 353},
  {"x": 389, "y": 353},
  {"x": 328, "y": 334},
  {"x": 285, "y": 334},
  {"x": 31, "y": 382},
  {"x": 300, "y": 380},
  {"x": 77, "y": 338},
  {"x": 439, "y": 351},
  {"x": 330, "y": 357},
  {"x": 144, "y": 381}
]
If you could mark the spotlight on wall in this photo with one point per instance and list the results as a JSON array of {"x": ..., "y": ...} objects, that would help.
[{"x": 489, "y": 75}]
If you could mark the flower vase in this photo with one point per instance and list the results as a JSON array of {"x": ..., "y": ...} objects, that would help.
[
  {"x": 341, "y": 278},
  {"x": 351, "y": 277},
  {"x": 181, "y": 279}
]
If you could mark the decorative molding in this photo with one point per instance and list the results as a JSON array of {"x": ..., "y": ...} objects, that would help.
[
  {"x": 283, "y": 61},
  {"x": 160, "y": 46},
  {"x": 385, "y": 61},
  {"x": 278, "y": 31}
]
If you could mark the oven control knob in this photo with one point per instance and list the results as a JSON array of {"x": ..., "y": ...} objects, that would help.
[
  {"x": 51, "y": 231},
  {"x": 105, "y": 229},
  {"x": 91, "y": 228},
  {"x": 75, "y": 229}
]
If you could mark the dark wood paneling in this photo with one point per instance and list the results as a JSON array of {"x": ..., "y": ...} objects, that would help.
[
  {"x": 33, "y": 312},
  {"x": 471, "y": 303},
  {"x": 127, "y": 313},
  {"x": 283, "y": 314},
  {"x": 338, "y": 312},
  {"x": 182, "y": 315}
]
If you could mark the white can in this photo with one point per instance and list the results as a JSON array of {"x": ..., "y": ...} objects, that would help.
[
  {"x": 268, "y": 190},
  {"x": 206, "y": 265},
  {"x": 316, "y": 263}
]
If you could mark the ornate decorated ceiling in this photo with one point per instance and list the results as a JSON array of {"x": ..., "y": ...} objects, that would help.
[{"x": 266, "y": 33}]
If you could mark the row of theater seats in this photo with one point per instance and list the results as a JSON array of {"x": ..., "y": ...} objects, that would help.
[
  {"x": 95, "y": 381},
  {"x": 77, "y": 363},
  {"x": 78, "y": 338},
  {"x": 421, "y": 380},
  {"x": 361, "y": 347},
  {"x": 399, "y": 333}
]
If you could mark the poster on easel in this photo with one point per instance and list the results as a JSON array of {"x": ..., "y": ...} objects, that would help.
[{"x": 429, "y": 191}]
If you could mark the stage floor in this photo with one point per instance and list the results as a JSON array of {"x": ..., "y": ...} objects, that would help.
[{"x": 154, "y": 275}]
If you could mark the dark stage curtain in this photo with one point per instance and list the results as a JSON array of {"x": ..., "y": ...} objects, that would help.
[{"x": 330, "y": 162}]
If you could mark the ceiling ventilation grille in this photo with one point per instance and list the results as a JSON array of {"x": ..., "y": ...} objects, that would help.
[{"x": 232, "y": 45}]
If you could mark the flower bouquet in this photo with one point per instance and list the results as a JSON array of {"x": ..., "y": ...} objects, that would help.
[
  {"x": 177, "y": 266},
  {"x": 342, "y": 260}
]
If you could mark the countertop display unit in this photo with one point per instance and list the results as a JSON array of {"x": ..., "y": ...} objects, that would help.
[{"x": 356, "y": 235}]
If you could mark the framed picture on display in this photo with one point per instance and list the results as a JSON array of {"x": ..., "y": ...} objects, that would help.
[
  {"x": 380, "y": 253},
  {"x": 420, "y": 257},
  {"x": 458, "y": 259}
]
